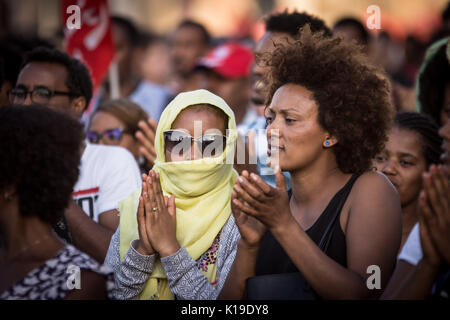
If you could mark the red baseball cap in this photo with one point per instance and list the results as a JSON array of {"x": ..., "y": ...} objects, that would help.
[{"x": 230, "y": 60}]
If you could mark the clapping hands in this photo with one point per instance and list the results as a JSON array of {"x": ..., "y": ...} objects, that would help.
[
  {"x": 434, "y": 215},
  {"x": 257, "y": 205}
]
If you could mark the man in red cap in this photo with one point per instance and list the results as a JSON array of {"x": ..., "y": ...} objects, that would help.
[{"x": 226, "y": 72}]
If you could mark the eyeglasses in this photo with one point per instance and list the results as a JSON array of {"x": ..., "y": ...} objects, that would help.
[
  {"x": 38, "y": 95},
  {"x": 112, "y": 136},
  {"x": 208, "y": 142}
]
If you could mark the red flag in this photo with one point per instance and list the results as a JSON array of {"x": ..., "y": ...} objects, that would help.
[{"x": 90, "y": 40}]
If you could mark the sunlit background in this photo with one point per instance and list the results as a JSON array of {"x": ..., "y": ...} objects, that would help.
[{"x": 227, "y": 18}]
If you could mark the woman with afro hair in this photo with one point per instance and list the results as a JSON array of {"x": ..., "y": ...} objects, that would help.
[
  {"x": 40, "y": 151},
  {"x": 336, "y": 233}
]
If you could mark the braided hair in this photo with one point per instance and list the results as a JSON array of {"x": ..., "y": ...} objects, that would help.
[{"x": 427, "y": 128}]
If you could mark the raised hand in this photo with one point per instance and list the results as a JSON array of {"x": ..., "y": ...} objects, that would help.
[
  {"x": 430, "y": 254},
  {"x": 161, "y": 225},
  {"x": 146, "y": 135},
  {"x": 250, "y": 228},
  {"x": 267, "y": 204},
  {"x": 435, "y": 209}
]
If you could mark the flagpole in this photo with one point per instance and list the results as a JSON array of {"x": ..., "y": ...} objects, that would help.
[{"x": 114, "y": 80}]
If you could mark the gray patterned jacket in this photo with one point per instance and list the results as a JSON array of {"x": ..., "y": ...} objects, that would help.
[{"x": 185, "y": 280}]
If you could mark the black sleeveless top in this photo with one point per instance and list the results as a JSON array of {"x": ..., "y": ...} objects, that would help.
[{"x": 272, "y": 259}]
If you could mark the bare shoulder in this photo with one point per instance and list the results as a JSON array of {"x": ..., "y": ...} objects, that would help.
[
  {"x": 374, "y": 185},
  {"x": 374, "y": 180},
  {"x": 373, "y": 193},
  {"x": 374, "y": 228}
]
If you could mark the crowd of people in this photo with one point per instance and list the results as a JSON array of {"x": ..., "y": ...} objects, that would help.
[{"x": 282, "y": 169}]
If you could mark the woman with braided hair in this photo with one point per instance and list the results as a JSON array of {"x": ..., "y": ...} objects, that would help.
[{"x": 413, "y": 146}]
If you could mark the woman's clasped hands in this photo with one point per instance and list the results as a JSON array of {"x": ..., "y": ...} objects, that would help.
[{"x": 156, "y": 219}]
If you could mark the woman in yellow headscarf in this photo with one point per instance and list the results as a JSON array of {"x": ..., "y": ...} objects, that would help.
[{"x": 177, "y": 237}]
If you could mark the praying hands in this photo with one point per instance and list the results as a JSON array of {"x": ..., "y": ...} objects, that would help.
[{"x": 156, "y": 219}]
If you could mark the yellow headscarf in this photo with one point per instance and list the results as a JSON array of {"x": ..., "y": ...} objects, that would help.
[{"x": 202, "y": 190}]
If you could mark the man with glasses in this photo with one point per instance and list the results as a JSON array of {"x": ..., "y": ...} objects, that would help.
[
  {"x": 39, "y": 95},
  {"x": 108, "y": 174}
]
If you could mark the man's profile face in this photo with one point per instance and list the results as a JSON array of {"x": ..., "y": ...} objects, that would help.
[
  {"x": 51, "y": 76},
  {"x": 265, "y": 45}
]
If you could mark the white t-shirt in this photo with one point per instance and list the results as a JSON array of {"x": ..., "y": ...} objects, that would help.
[
  {"x": 412, "y": 249},
  {"x": 108, "y": 174}
]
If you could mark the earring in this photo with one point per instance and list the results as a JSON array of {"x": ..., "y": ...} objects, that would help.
[{"x": 327, "y": 143}]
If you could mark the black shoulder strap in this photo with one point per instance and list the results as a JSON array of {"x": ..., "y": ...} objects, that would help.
[{"x": 327, "y": 235}]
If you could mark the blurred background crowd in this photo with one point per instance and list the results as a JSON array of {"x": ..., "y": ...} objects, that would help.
[{"x": 148, "y": 47}]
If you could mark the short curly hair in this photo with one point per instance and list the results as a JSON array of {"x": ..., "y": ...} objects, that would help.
[
  {"x": 40, "y": 151},
  {"x": 292, "y": 22},
  {"x": 363, "y": 35},
  {"x": 128, "y": 27},
  {"x": 352, "y": 95},
  {"x": 78, "y": 77},
  {"x": 201, "y": 28}
]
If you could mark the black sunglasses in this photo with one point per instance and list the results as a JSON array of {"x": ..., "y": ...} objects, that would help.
[
  {"x": 208, "y": 142},
  {"x": 112, "y": 135},
  {"x": 40, "y": 95}
]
